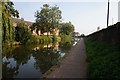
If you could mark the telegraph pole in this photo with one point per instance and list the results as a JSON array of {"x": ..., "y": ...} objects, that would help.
[{"x": 108, "y": 14}]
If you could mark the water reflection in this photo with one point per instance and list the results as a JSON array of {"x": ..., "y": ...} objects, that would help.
[{"x": 31, "y": 61}]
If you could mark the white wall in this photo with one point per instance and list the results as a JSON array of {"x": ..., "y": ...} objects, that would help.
[{"x": 119, "y": 11}]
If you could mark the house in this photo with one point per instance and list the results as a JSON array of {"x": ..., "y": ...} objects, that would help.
[
  {"x": 28, "y": 23},
  {"x": 55, "y": 31},
  {"x": 16, "y": 20}
]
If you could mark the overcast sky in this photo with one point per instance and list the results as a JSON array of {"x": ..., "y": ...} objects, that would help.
[{"x": 85, "y": 16}]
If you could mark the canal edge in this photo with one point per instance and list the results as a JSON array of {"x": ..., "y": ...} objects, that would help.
[{"x": 57, "y": 65}]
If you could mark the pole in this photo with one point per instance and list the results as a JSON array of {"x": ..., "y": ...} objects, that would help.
[{"x": 108, "y": 14}]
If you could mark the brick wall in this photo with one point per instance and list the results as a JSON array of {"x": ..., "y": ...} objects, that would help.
[{"x": 110, "y": 35}]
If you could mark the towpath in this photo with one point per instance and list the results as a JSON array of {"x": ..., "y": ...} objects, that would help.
[{"x": 74, "y": 65}]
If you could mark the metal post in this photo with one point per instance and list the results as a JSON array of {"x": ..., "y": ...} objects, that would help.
[
  {"x": 119, "y": 11},
  {"x": 108, "y": 14}
]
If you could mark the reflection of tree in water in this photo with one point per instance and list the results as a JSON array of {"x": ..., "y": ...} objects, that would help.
[
  {"x": 21, "y": 55},
  {"x": 45, "y": 58},
  {"x": 8, "y": 72}
]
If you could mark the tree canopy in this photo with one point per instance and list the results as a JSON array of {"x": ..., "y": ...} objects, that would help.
[
  {"x": 67, "y": 28},
  {"x": 8, "y": 11},
  {"x": 22, "y": 33},
  {"x": 47, "y": 18}
]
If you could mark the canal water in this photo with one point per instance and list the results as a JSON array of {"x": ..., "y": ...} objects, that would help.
[{"x": 32, "y": 61}]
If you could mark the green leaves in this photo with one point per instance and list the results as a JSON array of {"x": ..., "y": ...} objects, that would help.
[
  {"x": 8, "y": 12},
  {"x": 47, "y": 18},
  {"x": 66, "y": 28},
  {"x": 22, "y": 33}
]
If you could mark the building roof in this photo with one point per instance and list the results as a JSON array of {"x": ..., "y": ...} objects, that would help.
[{"x": 19, "y": 20}]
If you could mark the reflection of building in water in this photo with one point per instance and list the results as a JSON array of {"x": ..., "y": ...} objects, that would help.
[
  {"x": 56, "y": 46},
  {"x": 48, "y": 46},
  {"x": 119, "y": 11},
  {"x": 36, "y": 48}
]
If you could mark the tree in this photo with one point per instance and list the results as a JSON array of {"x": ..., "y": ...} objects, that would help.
[
  {"x": 22, "y": 33},
  {"x": 67, "y": 28},
  {"x": 8, "y": 12},
  {"x": 47, "y": 18}
]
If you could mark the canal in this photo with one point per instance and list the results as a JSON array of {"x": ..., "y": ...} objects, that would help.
[{"x": 32, "y": 61}]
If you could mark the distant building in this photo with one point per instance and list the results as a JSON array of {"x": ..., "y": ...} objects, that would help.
[
  {"x": 16, "y": 20},
  {"x": 119, "y": 11},
  {"x": 28, "y": 23}
]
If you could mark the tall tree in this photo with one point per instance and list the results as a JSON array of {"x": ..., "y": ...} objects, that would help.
[
  {"x": 22, "y": 33},
  {"x": 67, "y": 28},
  {"x": 47, "y": 18},
  {"x": 8, "y": 12}
]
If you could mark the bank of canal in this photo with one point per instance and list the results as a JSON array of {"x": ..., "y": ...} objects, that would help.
[
  {"x": 74, "y": 65},
  {"x": 32, "y": 61}
]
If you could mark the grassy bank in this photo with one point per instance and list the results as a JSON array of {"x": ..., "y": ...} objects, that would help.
[{"x": 103, "y": 60}]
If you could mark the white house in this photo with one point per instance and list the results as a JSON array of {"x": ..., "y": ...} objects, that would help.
[{"x": 119, "y": 11}]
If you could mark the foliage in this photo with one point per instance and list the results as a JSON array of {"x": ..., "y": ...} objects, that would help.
[
  {"x": 66, "y": 42},
  {"x": 45, "y": 58},
  {"x": 82, "y": 35},
  {"x": 47, "y": 18},
  {"x": 66, "y": 38},
  {"x": 39, "y": 39},
  {"x": 22, "y": 33},
  {"x": 103, "y": 60},
  {"x": 54, "y": 38},
  {"x": 24, "y": 36},
  {"x": 65, "y": 46},
  {"x": 66, "y": 31},
  {"x": 67, "y": 28},
  {"x": 8, "y": 12}
]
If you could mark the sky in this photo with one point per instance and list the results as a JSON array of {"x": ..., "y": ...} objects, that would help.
[{"x": 86, "y": 16}]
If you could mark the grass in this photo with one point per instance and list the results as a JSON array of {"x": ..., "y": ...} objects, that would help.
[{"x": 103, "y": 60}]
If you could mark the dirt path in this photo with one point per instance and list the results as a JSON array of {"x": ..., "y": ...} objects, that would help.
[{"x": 73, "y": 65}]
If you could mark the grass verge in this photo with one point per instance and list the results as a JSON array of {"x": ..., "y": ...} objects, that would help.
[{"x": 103, "y": 60}]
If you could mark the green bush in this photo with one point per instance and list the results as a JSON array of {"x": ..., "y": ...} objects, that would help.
[{"x": 65, "y": 38}]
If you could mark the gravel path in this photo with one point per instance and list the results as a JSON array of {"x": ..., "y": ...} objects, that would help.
[{"x": 74, "y": 65}]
